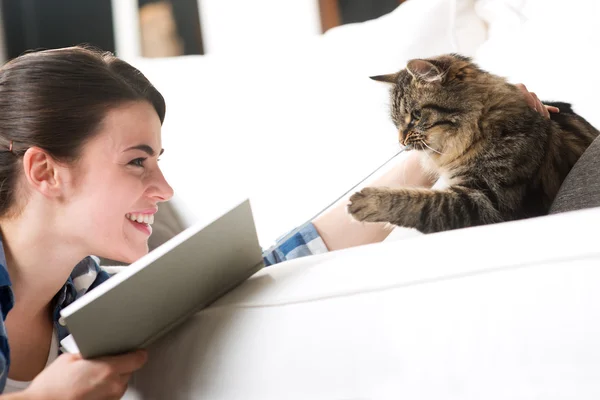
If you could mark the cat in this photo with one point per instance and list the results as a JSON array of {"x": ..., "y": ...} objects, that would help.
[{"x": 500, "y": 159}]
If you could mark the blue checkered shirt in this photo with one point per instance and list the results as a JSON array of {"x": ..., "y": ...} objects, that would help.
[
  {"x": 87, "y": 275},
  {"x": 301, "y": 242}
]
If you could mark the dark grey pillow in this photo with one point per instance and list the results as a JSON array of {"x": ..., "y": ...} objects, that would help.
[{"x": 581, "y": 188}]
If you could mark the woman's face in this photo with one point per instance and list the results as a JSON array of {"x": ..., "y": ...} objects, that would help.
[{"x": 119, "y": 183}]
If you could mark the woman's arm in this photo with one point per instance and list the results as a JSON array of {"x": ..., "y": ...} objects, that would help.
[
  {"x": 335, "y": 229},
  {"x": 339, "y": 230}
]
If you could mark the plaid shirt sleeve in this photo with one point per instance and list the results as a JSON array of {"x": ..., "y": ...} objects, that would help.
[{"x": 301, "y": 242}]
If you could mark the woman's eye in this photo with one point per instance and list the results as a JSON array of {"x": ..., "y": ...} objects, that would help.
[
  {"x": 416, "y": 114},
  {"x": 138, "y": 162}
]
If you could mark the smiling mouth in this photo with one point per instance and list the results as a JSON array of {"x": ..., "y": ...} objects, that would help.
[
  {"x": 147, "y": 219},
  {"x": 141, "y": 222}
]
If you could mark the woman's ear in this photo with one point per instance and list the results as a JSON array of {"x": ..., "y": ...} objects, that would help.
[{"x": 43, "y": 173}]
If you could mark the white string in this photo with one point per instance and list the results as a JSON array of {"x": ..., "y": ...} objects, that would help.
[
  {"x": 293, "y": 232},
  {"x": 359, "y": 183}
]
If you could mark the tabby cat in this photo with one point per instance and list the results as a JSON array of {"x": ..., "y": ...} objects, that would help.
[{"x": 500, "y": 159}]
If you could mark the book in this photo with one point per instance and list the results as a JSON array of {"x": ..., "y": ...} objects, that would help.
[{"x": 165, "y": 287}]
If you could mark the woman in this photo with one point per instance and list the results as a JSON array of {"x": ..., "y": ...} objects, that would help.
[{"x": 80, "y": 138}]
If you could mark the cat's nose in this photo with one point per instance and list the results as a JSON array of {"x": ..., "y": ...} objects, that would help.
[{"x": 401, "y": 137}]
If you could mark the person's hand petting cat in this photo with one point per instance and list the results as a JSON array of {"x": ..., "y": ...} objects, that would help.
[{"x": 535, "y": 103}]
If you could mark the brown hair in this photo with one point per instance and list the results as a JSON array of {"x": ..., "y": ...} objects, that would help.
[{"x": 56, "y": 100}]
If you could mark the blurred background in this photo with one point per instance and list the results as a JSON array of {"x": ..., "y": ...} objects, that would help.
[
  {"x": 308, "y": 124},
  {"x": 191, "y": 49},
  {"x": 167, "y": 28}
]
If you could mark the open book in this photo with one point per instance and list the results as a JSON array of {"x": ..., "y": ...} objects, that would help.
[{"x": 165, "y": 287}]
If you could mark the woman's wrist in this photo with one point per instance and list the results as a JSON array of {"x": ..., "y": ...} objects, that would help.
[{"x": 337, "y": 228}]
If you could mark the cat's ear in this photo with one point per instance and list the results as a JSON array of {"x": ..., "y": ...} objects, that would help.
[
  {"x": 389, "y": 78},
  {"x": 424, "y": 70}
]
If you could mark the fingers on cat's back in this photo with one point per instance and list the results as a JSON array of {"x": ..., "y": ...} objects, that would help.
[{"x": 528, "y": 96}]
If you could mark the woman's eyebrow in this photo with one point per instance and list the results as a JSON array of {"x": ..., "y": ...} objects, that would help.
[{"x": 145, "y": 148}]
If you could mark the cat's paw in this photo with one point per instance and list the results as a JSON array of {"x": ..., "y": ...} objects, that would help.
[{"x": 367, "y": 205}]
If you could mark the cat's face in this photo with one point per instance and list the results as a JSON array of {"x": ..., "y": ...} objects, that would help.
[{"x": 432, "y": 102}]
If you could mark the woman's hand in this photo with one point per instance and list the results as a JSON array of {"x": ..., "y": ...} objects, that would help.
[
  {"x": 535, "y": 103},
  {"x": 72, "y": 377}
]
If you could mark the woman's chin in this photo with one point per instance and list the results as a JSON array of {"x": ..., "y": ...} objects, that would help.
[
  {"x": 129, "y": 255},
  {"x": 138, "y": 253}
]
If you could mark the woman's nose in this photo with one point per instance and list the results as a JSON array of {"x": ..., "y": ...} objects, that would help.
[{"x": 162, "y": 190}]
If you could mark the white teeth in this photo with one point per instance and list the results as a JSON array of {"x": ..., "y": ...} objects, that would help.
[{"x": 141, "y": 218}]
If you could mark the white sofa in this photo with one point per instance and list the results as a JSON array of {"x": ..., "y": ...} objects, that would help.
[
  {"x": 505, "y": 311},
  {"x": 510, "y": 311}
]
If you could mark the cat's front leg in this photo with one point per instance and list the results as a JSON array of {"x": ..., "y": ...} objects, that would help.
[
  {"x": 372, "y": 204},
  {"x": 401, "y": 207},
  {"x": 424, "y": 209}
]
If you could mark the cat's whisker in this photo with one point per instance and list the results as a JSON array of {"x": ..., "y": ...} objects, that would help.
[
  {"x": 404, "y": 174},
  {"x": 428, "y": 156},
  {"x": 425, "y": 144}
]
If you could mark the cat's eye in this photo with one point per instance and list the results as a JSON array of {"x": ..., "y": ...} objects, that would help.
[{"x": 416, "y": 114}]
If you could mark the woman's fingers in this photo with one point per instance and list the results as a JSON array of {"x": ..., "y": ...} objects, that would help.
[
  {"x": 540, "y": 107},
  {"x": 528, "y": 97},
  {"x": 126, "y": 363},
  {"x": 535, "y": 103}
]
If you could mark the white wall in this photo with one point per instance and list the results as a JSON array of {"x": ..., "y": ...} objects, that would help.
[
  {"x": 230, "y": 26},
  {"x": 126, "y": 28},
  {"x": 242, "y": 25}
]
